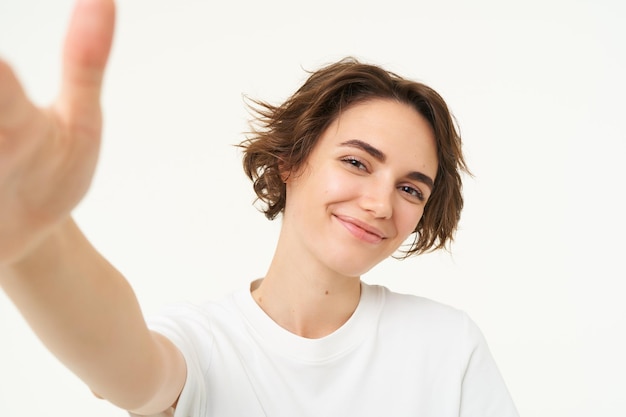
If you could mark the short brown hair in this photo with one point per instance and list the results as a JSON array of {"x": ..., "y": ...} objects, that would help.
[{"x": 282, "y": 138}]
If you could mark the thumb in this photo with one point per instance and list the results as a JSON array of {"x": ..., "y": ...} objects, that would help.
[{"x": 87, "y": 46}]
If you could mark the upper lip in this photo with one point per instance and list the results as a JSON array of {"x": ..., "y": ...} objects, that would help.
[{"x": 363, "y": 225}]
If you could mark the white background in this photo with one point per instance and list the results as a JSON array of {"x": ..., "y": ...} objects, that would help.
[{"x": 537, "y": 87}]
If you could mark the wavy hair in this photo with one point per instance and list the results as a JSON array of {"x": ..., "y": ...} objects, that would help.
[{"x": 282, "y": 137}]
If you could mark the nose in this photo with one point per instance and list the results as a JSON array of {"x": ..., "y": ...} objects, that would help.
[{"x": 377, "y": 198}]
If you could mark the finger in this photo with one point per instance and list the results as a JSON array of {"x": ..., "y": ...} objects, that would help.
[{"x": 87, "y": 48}]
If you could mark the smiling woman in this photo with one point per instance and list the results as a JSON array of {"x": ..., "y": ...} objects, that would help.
[
  {"x": 355, "y": 162},
  {"x": 377, "y": 198},
  {"x": 286, "y": 134}
]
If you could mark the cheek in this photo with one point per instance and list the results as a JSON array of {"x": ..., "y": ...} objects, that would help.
[
  {"x": 332, "y": 189},
  {"x": 334, "y": 184},
  {"x": 311, "y": 189},
  {"x": 408, "y": 220}
]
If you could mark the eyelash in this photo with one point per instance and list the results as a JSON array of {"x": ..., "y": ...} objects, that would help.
[
  {"x": 414, "y": 192},
  {"x": 355, "y": 162},
  {"x": 358, "y": 164}
]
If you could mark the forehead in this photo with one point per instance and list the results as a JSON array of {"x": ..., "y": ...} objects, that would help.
[
  {"x": 391, "y": 116},
  {"x": 395, "y": 128}
]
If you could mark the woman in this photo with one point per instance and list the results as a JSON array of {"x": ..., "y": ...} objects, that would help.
[{"x": 357, "y": 162}]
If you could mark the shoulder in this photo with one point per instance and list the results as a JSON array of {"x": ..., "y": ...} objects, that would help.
[
  {"x": 414, "y": 308},
  {"x": 414, "y": 317},
  {"x": 193, "y": 324}
]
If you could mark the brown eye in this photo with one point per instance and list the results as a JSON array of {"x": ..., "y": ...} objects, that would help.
[
  {"x": 413, "y": 192},
  {"x": 355, "y": 163}
]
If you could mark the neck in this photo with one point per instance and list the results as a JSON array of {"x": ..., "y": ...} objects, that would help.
[{"x": 305, "y": 298}]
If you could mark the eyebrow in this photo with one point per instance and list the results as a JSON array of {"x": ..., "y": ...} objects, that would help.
[{"x": 380, "y": 156}]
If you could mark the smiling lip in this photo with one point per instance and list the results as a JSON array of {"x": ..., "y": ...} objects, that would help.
[{"x": 361, "y": 230}]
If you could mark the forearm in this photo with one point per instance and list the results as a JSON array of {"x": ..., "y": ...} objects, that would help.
[{"x": 87, "y": 315}]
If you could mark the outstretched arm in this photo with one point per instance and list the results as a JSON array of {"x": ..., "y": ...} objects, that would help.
[{"x": 83, "y": 309}]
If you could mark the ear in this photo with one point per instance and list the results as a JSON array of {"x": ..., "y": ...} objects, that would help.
[
  {"x": 289, "y": 174},
  {"x": 285, "y": 173}
]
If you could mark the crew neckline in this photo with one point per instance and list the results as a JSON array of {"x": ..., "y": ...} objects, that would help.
[{"x": 361, "y": 324}]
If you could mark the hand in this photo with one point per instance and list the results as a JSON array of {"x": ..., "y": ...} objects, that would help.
[{"x": 48, "y": 155}]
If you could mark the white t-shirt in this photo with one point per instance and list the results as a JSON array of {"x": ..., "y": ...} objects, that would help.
[{"x": 398, "y": 355}]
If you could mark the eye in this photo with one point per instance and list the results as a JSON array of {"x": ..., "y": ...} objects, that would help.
[
  {"x": 355, "y": 162},
  {"x": 412, "y": 191}
]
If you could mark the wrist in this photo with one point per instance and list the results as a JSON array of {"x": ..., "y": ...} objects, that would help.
[{"x": 37, "y": 252}]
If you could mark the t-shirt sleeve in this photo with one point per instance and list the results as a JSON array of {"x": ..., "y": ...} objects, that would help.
[
  {"x": 484, "y": 392},
  {"x": 187, "y": 327}
]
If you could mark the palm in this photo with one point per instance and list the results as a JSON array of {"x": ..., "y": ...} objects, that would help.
[{"x": 48, "y": 156}]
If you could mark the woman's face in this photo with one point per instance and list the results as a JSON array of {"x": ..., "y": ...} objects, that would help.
[{"x": 363, "y": 188}]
